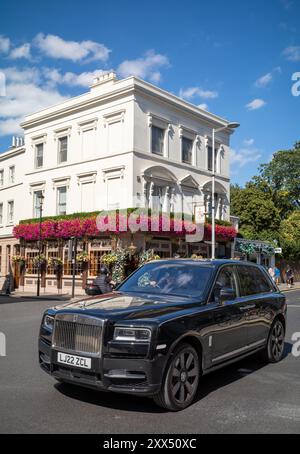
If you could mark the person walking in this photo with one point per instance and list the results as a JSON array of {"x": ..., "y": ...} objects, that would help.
[
  {"x": 271, "y": 273},
  {"x": 289, "y": 276},
  {"x": 277, "y": 275}
]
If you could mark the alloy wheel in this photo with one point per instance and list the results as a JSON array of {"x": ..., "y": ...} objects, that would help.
[
  {"x": 277, "y": 340},
  {"x": 185, "y": 373}
]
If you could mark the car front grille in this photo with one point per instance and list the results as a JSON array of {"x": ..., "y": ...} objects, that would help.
[{"x": 78, "y": 333}]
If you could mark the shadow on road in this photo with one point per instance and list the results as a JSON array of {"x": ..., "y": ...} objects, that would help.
[{"x": 208, "y": 384}]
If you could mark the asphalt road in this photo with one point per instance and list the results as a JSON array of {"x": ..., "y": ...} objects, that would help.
[{"x": 247, "y": 397}]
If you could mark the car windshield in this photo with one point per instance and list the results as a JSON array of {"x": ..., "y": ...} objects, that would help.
[{"x": 179, "y": 279}]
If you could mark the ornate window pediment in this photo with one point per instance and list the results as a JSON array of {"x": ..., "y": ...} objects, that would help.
[{"x": 189, "y": 182}]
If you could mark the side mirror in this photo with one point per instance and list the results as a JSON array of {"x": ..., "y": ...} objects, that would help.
[{"x": 226, "y": 294}]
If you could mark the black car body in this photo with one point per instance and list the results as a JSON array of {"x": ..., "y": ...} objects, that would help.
[{"x": 143, "y": 339}]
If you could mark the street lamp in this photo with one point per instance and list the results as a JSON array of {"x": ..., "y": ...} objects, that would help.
[
  {"x": 41, "y": 200},
  {"x": 231, "y": 125}
]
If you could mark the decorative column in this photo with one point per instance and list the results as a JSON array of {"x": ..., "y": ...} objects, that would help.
[
  {"x": 151, "y": 191},
  {"x": 166, "y": 206},
  {"x": 145, "y": 186}
]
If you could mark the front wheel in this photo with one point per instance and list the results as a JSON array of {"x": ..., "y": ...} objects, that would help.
[
  {"x": 181, "y": 379},
  {"x": 275, "y": 346}
]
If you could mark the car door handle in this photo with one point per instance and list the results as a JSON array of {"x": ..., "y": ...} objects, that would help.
[{"x": 247, "y": 308}]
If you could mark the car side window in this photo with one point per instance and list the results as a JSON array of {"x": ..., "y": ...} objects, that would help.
[
  {"x": 253, "y": 281},
  {"x": 225, "y": 280}
]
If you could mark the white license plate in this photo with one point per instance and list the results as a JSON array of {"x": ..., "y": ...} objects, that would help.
[{"x": 74, "y": 361}]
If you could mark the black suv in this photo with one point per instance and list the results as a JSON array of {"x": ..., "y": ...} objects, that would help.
[{"x": 168, "y": 324}]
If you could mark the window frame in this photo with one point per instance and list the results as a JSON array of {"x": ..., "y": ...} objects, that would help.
[
  {"x": 164, "y": 141},
  {"x": 184, "y": 138},
  {"x": 262, "y": 273},
  {"x": 59, "y": 151},
  {"x": 236, "y": 278},
  {"x": 34, "y": 205},
  {"x": 57, "y": 200},
  {"x": 10, "y": 203},
  {"x": 12, "y": 174},
  {"x": 36, "y": 145}
]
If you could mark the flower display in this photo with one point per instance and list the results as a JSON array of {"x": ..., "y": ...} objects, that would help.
[
  {"x": 18, "y": 259},
  {"x": 117, "y": 223},
  {"x": 82, "y": 257}
]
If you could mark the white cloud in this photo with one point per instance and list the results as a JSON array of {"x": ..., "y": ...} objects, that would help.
[
  {"x": 30, "y": 74},
  {"x": 203, "y": 106},
  {"x": 55, "y": 47},
  {"x": 84, "y": 79},
  {"x": 263, "y": 81},
  {"x": 256, "y": 104},
  {"x": 4, "y": 44},
  {"x": 146, "y": 67},
  {"x": 10, "y": 126},
  {"x": 249, "y": 142},
  {"x": 191, "y": 92},
  {"x": 292, "y": 53},
  {"x": 239, "y": 158},
  {"x": 22, "y": 99},
  {"x": 21, "y": 52}
]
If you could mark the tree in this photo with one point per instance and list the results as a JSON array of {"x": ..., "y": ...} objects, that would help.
[
  {"x": 281, "y": 176},
  {"x": 289, "y": 235},
  {"x": 259, "y": 218}
]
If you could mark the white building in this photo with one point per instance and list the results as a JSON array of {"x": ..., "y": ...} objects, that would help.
[{"x": 123, "y": 144}]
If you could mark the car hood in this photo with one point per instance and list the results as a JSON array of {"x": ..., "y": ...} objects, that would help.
[{"x": 129, "y": 306}]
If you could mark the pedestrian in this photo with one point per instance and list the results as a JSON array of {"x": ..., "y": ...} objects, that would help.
[
  {"x": 7, "y": 284},
  {"x": 289, "y": 276},
  {"x": 277, "y": 275},
  {"x": 271, "y": 273},
  {"x": 103, "y": 280}
]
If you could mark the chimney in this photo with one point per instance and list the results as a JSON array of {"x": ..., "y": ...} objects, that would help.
[{"x": 108, "y": 78}]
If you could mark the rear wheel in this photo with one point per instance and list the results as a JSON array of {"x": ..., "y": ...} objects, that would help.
[
  {"x": 275, "y": 346},
  {"x": 181, "y": 379}
]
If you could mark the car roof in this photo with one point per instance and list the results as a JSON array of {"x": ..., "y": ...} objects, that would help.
[{"x": 215, "y": 263}]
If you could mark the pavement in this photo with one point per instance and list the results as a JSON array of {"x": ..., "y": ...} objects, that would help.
[{"x": 247, "y": 397}]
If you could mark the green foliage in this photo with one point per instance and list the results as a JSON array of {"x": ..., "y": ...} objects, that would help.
[
  {"x": 290, "y": 235},
  {"x": 281, "y": 175},
  {"x": 219, "y": 222},
  {"x": 259, "y": 218}
]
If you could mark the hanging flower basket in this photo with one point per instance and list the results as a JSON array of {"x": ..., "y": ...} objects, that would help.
[
  {"x": 82, "y": 257},
  {"x": 147, "y": 256},
  {"x": 56, "y": 263},
  {"x": 40, "y": 260},
  {"x": 109, "y": 260},
  {"x": 19, "y": 260}
]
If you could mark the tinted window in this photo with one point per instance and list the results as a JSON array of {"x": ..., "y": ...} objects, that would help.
[
  {"x": 225, "y": 279},
  {"x": 182, "y": 279},
  {"x": 253, "y": 281}
]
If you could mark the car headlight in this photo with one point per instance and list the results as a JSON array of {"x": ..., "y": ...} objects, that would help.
[
  {"x": 48, "y": 322},
  {"x": 132, "y": 334}
]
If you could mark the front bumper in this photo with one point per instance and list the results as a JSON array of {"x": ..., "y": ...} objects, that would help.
[{"x": 140, "y": 376}]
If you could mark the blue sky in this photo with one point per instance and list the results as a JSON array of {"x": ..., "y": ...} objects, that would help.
[{"x": 235, "y": 58}]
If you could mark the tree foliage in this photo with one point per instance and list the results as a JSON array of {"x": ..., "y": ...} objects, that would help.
[
  {"x": 281, "y": 176},
  {"x": 289, "y": 235},
  {"x": 259, "y": 218}
]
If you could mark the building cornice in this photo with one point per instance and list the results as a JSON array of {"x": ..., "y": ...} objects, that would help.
[
  {"x": 11, "y": 153},
  {"x": 122, "y": 88}
]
